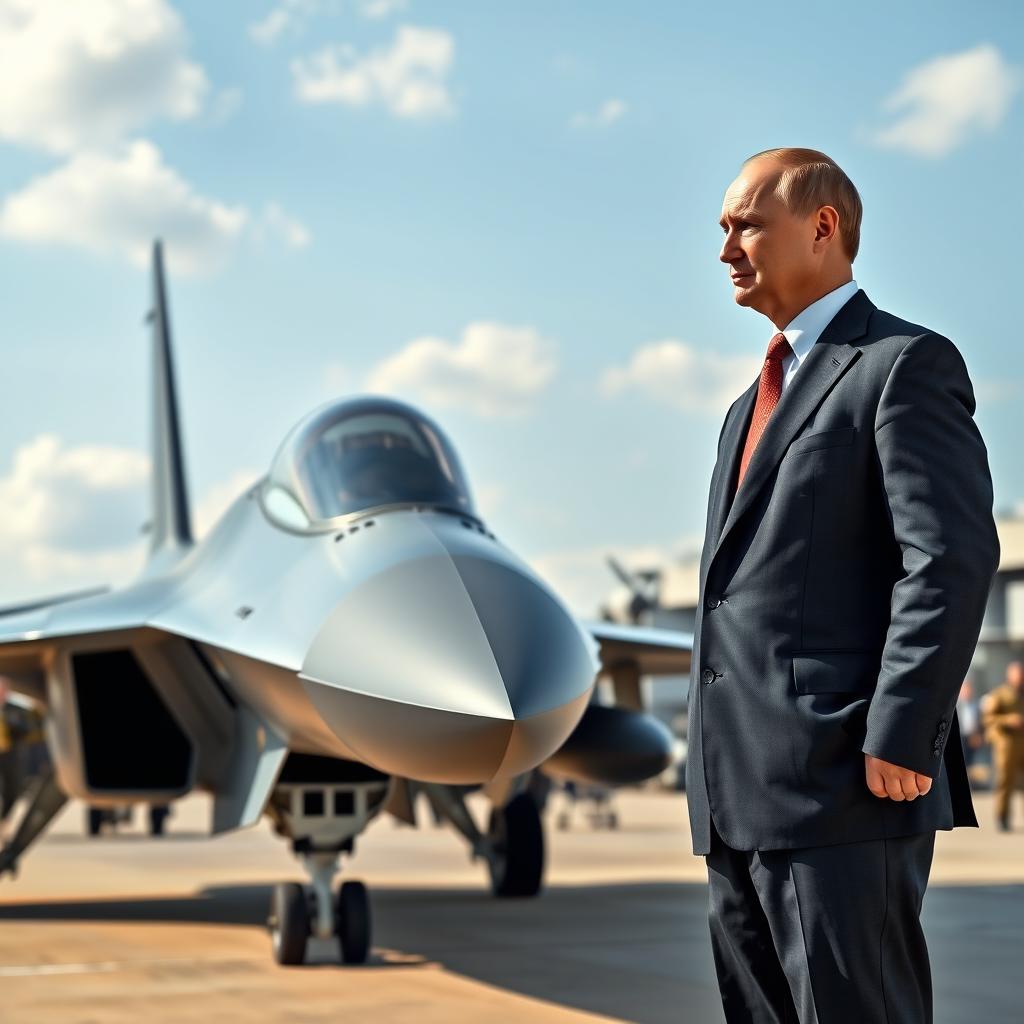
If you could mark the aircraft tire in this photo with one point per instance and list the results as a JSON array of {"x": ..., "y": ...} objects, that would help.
[
  {"x": 352, "y": 918},
  {"x": 289, "y": 923},
  {"x": 158, "y": 815},
  {"x": 94, "y": 818},
  {"x": 517, "y": 832}
]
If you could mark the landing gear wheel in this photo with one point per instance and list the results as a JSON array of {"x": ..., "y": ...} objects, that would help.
[
  {"x": 94, "y": 819},
  {"x": 158, "y": 815},
  {"x": 289, "y": 923},
  {"x": 352, "y": 919},
  {"x": 517, "y": 837}
]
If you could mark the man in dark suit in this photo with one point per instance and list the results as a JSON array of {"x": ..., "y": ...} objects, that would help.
[{"x": 849, "y": 552}]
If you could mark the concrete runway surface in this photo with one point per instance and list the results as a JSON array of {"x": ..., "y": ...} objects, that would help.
[{"x": 127, "y": 929}]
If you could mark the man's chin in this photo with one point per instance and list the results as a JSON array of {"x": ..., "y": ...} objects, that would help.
[{"x": 743, "y": 292}]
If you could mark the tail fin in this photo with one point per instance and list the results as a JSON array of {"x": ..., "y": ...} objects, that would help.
[{"x": 170, "y": 527}]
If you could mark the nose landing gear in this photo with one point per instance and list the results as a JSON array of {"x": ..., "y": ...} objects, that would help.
[
  {"x": 322, "y": 805},
  {"x": 297, "y": 912}
]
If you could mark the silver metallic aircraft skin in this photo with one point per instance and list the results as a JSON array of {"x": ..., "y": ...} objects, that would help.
[
  {"x": 419, "y": 644},
  {"x": 402, "y": 636}
]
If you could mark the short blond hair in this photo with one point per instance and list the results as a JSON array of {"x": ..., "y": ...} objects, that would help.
[{"x": 811, "y": 179}]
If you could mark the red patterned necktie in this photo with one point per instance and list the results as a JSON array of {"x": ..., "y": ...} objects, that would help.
[{"x": 769, "y": 390}]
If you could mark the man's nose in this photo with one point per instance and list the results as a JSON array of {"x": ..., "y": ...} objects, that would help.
[{"x": 730, "y": 249}]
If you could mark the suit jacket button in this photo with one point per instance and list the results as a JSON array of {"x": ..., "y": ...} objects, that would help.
[
  {"x": 712, "y": 602},
  {"x": 707, "y": 676}
]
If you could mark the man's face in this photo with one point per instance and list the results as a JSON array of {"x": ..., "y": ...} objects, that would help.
[
  {"x": 769, "y": 251},
  {"x": 1015, "y": 675}
]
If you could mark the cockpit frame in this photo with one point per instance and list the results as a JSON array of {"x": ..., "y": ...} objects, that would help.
[{"x": 286, "y": 494}]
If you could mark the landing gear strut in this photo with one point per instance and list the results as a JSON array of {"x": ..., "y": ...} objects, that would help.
[{"x": 513, "y": 846}]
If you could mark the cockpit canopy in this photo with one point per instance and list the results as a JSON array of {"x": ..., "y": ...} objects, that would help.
[{"x": 359, "y": 454}]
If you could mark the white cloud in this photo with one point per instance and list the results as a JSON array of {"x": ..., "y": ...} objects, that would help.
[
  {"x": 684, "y": 376},
  {"x": 117, "y": 204},
  {"x": 277, "y": 224},
  {"x": 86, "y": 74},
  {"x": 408, "y": 77},
  {"x": 945, "y": 101},
  {"x": 291, "y": 14},
  {"x": 608, "y": 113},
  {"x": 494, "y": 370},
  {"x": 72, "y": 515},
  {"x": 54, "y": 493},
  {"x": 269, "y": 28},
  {"x": 381, "y": 8}
]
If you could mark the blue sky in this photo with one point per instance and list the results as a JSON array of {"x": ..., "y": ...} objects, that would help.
[{"x": 504, "y": 213}]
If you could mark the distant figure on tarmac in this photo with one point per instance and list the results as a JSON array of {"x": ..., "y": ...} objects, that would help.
[
  {"x": 1003, "y": 715},
  {"x": 10, "y": 773},
  {"x": 972, "y": 736}
]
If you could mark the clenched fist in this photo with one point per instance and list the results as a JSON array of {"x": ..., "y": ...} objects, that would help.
[{"x": 885, "y": 779}]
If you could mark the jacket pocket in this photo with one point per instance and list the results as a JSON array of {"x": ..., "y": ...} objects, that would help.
[
  {"x": 835, "y": 671},
  {"x": 836, "y": 438}
]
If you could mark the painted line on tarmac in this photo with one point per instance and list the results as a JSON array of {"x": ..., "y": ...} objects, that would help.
[{"x": 112, "y": 966}]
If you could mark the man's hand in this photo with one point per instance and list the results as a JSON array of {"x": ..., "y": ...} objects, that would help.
[{"x": 890, "y": 780}]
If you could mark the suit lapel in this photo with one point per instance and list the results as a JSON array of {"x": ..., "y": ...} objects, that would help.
[
  {"x": 828, "y": 359},
  {"x": 732, "y": 447}
]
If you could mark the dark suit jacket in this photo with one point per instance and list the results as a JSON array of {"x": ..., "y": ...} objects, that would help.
[{"x": 841, "y": 594}]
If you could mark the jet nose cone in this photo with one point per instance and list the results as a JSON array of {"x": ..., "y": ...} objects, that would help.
[{"x": 451, "y": 667}]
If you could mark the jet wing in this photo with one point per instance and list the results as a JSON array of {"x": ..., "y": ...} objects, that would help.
[
  {"x": 27, "y": 630},
  {"x": 43, "y": 603},
  {"x": 649, "y": 649},
  {"x": 21, "y": 626}
]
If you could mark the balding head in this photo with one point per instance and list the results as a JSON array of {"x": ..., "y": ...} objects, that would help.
[
  {"x": 792, "y": 227},
  {"x": 807, "y": 179}
]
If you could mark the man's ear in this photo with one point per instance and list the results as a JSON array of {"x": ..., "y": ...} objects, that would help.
[{"x": 828, "y": 224}]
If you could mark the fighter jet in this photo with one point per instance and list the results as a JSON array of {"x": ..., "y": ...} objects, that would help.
[{"x": 351, "y": 634}]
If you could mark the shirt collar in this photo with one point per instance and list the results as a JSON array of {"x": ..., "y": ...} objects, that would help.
[{"x": 806, "y": 327}]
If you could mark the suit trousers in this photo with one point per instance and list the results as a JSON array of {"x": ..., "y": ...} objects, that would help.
[{"x": 822, "y": 934}]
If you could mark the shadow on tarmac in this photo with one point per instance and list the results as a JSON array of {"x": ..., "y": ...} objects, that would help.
[{"x": 638, "y": 951}]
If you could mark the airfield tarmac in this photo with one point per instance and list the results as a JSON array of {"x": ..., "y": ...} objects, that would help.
[{"x": 125, "y": 928}]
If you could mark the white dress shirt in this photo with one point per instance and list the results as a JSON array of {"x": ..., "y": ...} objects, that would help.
[{"x": 806, "y": 327}]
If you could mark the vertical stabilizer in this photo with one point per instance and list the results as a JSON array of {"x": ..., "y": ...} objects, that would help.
[{"x": 170, "y": 526}]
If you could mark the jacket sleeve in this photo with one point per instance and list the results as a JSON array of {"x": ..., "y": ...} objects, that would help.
[{"x": 938, "y": 495}]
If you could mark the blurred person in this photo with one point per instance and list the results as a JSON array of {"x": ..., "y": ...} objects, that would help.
[
  {"x": 1002, "y": 713},
  {"x": 968, "y": 713},
  {"x": 9, "y": 774},
  {"x": 848, "y": 556}
]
